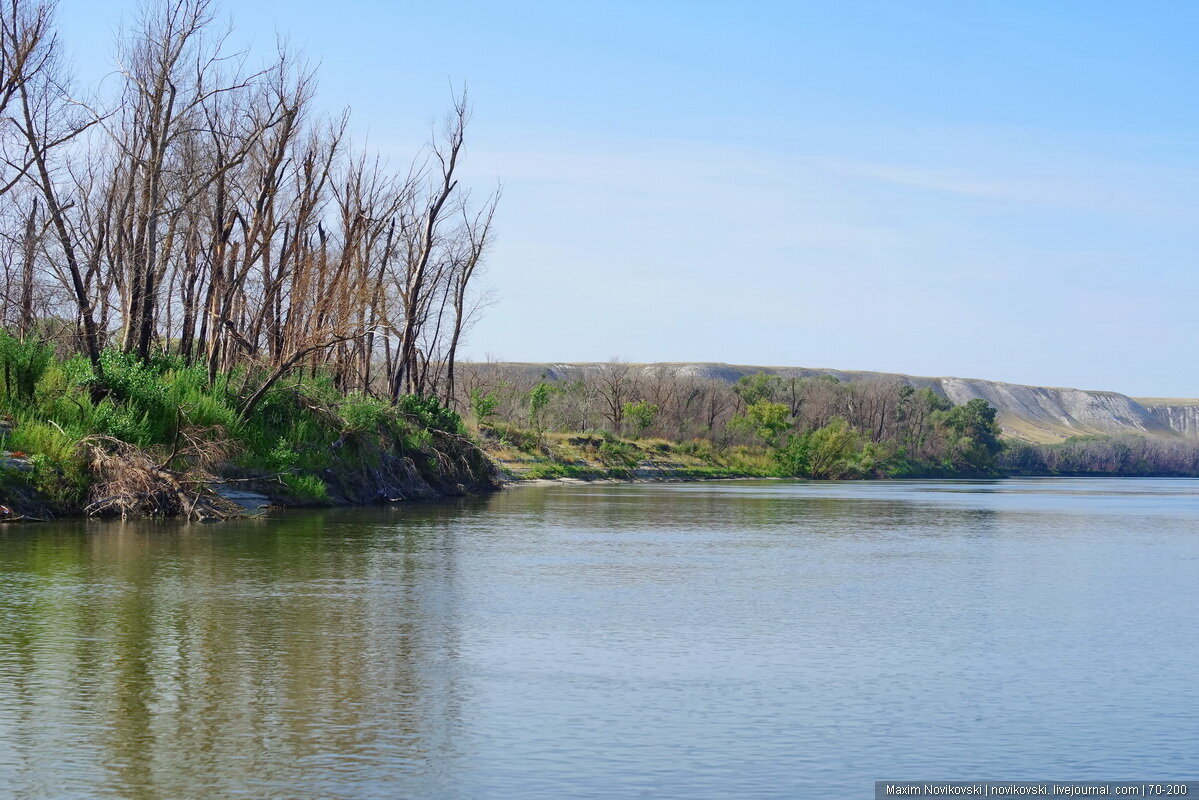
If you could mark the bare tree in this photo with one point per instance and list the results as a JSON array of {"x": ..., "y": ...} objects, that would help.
[
  {"x": 206, "y": 209},
  {"x": 47, "y": 122},
  {"x": 414, "y": 287},
  {"x": 615, "y": 385}
]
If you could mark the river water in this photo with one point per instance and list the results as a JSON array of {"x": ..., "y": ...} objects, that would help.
[{"x": 706, "y": 640}]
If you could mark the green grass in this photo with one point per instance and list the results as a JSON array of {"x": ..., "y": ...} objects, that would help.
[
  {"x": 558, "y": 470},
  {"x": 299, "y": 430},
  {"x": 591, "y": 456},
  {"x": 306, "y": 489}
]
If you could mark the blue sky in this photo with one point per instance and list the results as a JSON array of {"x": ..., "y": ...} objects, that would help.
[{"x": 997, "y": 190}]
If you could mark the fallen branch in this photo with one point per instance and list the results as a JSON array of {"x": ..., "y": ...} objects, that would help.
[{"x": 129, "y": 482}]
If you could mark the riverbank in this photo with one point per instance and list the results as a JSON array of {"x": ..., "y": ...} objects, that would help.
[
  {"x": 523, "y": 456},
  {"x": 126, "y": 481},
  {"x": 164, "y": 438}
]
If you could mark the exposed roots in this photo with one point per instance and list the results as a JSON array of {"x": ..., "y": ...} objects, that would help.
[
  {"x": 129, "y": 482},
  {"x": 380, "y": 471},
  {"x": 463, "y": 460},
  {"x": 179, "y": 481}
]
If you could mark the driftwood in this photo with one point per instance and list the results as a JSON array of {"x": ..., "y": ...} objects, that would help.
[{"x": 129, "y": 482}]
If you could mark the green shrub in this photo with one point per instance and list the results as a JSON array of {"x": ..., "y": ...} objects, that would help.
[
  {"x": 62, "y": 485},
  {"x": 306, "y": 488},
  {"x": 545, "y": 471},
  {"x": 539, "y": 398},
  {"x": 125, "y": 422},
  {"x": 428, "y": 412},
  {"x": 59, "y": 469},
  {"x": 282, "y": 456},
  {"x": 518, "y": 438},
  {"x": 767, "y": 420},
  {"x": 142, "y": 409},
  {"x": 483, "y": 404},
  {"x": 298, "y": 429},
  {"x": 285, "y": 423},
  {"x": 639, "y": 416},
  {"x": 22, "y": 365},
  {"x": 206, "y": 410},
  {"x": 363, "y": 413},
  {"x": 833, "y": 452},
  {"x": 696, "y": 448},
  {"x": 413, "y": 439},
  {"x": 618, "y": 454},
  {"x": 34, "y": 436}
]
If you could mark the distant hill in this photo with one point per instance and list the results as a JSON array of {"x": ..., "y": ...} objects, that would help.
[{"x": 1032, "y": 413}]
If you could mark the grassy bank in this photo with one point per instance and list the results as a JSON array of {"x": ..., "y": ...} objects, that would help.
[
  {"x": 817, "y": 428},
  {"x": 529, "y": 455},
  {"x": 156, "y": 438},
  {"x": 949, "y": 442}
]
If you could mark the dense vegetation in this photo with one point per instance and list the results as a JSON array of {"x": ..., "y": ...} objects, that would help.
[
  {"x": 769, "y": 425},
  {"x": 200, "y": 273},
  {"x": 1104, "y": 455},
  {"x": 158, "y": 437},
  {"x": 806, "y": 427}
]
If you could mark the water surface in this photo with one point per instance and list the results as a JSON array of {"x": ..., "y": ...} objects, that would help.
[{"x": 711, "y": 640}]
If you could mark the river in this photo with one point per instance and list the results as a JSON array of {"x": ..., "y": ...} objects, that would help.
[{"x": 748, "y": 639}]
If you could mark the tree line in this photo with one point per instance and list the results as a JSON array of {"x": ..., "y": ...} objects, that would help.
[
  {"x": 1104, "y": 455},
  {"x": 813, "y": 426},
  {"x": 203, "y": 208}
]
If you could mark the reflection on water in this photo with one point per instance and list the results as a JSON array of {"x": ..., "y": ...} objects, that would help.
[
  {"x": 749, "y": 639},
  {"x": 155, "y": 659}
]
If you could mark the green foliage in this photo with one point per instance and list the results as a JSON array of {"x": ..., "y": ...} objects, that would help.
[
  {"x": 615, "y": 453},
  {"x": 557, "y": 470},
  {"x": 428, "y": 412},
  {"x": 516, "y": 437},
  {"x": 282, "y": 456},
  {"x": 696, "y": 448},
  {"x": 307, "y": 489},
  {"x": 833, "y": 452},
  {"x": 44, "y": 438},
  {"x": 362, "y": 413},
  {"x": 973, "y": 437},
  {"x": 483, "y": 405},
  {"x": 786, "y": 424},
  {"x": 757, "y": 388},
  {"x": 284, "y": 417},
  {"x": 62, "y": 485},
  {"x": 639, "y": 416},
  {"x": 131, "y": 379},
  {"x": 300, "y": 430},
  {"x": 143, "y": 403},
  {"x": 768, "y": 420},
  {"x": 59, "y": 470},
  {"x": 126, "y": 422},
  {"x": 932, "y": 400},
  {"x": 413, "y": 439},
  {"x": 22, "y": 365},
  {"x": 539, "y": 398}
]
